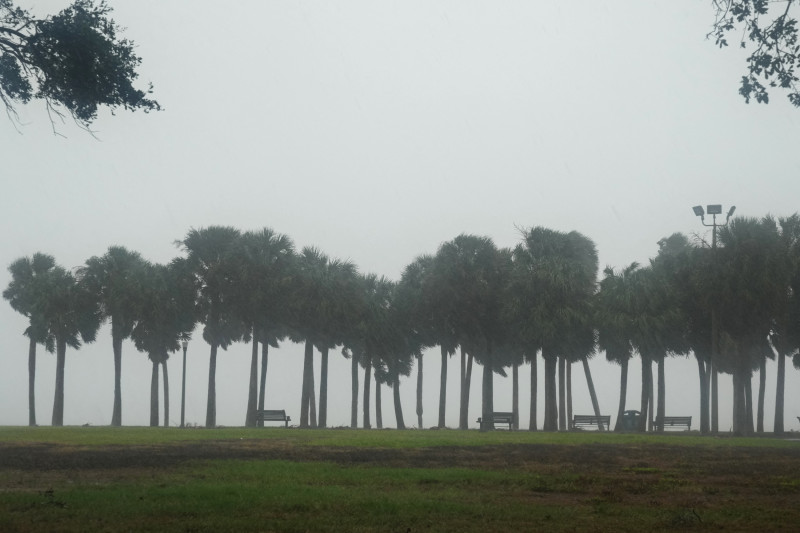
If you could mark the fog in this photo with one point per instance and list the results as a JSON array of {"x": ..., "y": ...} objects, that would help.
[{"x": 376, "y": 131}]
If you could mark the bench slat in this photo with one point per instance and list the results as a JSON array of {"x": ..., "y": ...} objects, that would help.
[
  {"x": 500, "y": 417},
  {"x": 273, "y": 415},
  {"x": 591, "y": 420},
  {"x": 673, "y": 421}
]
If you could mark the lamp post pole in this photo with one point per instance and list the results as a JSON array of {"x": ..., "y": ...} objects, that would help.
[
  {"x": 713, "y": 210},
  {"x": 184, "y": 345}
]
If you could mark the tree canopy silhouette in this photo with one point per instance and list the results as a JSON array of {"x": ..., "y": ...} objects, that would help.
[
  {"x": 768, "y": 29},
  {"x": 74, "y": 60}
]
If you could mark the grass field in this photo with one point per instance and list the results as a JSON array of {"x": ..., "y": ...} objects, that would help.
[{"x": 234, "y": 479}]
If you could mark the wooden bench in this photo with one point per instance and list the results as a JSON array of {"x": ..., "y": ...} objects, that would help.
[
  {"x": 500, "y": 417},
  {"x": 673, "y": 421},
  {"x": 273, "y": 416},
  {"x": 603, "y": 422}
]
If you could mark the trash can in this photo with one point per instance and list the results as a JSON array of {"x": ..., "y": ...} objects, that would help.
[{"x": 630, "y": 420}]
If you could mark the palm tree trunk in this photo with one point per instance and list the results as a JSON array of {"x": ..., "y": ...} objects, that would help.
[
  {"x": 623, "y": 393},
  {"x": 154, "y": 394},
  {"x": 398, "y": 407},
  {"x": 562, "y": 406},
  {"x": 463, "y": 423},
  {"x": 592, "y": 394},
  {"x": 748, "y": 401},
  {"x": 367, "y": 382},
  {"x": 307, "y": 387},
  {"x": 353, "y": 391},
  {"x": 443, "y": 388},
  {"x": 312, "y": 400},
  {"x": 166, "y": 391},
  {"x": 263, "y": 389},
  {"x": 533, "y": 424},
  {"x": 780, "y": 394},
  {"x": 762, "y": 384},
  {"x": 569, "y": 392},
  {"x": 211, "y": 406},
  {"x": 738, "y": 404},
  {"x": 651, "y": 404},
  {"x": 646, "y": 372},
  {"x": 116, "y": 342},
  {"x": 714, "y": 397},
  {"x": 466, "y": 378},
  {"x": 32, "y": 382},
  {"x": 467, "y": 386},
  {"x": 378, "y": 409},
  {"x": 250, "y": 416},
  {"x": 703, "y": 376},
  {"x": 323, "y": 389},
  {"x": 58, "y": 400},
  {"x": 515, "y": 396},
  {"x": 487, "y": 404},
  {"x": 419, "y": 391},
  {"x": 550, "y": 394},
  {"x": 662, "y": 396}
]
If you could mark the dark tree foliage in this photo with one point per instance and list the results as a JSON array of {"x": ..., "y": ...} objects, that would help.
[
  {"x": 74, "y": 61},
  {"x": 768, "y": 30}
]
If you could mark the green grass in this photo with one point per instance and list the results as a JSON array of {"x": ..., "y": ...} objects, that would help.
[
  {"x": 736, "y": 487},
  {"x": 285, "y": 496},
  {"x": 88, "y": 436},
  {"x": 235, "y": 495}
]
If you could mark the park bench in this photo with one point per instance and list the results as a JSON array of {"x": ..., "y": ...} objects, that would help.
[
  {"x": 273, "y": 416},
  {"x": 673, "y": 421},
  {"x": 500, "y": 417},
  {"x": 580, "y": 421}
]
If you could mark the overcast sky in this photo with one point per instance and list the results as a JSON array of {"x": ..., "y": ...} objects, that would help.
[{"x": 376, "y": 131}]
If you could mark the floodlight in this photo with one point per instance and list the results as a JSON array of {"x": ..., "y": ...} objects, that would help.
[
  {"x": 715, "y": 209},
  {"x": 730, "y": 212},
  {"x": 698, "y": 210}
]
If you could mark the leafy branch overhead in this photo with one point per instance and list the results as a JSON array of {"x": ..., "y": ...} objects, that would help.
[
  {"x": 74, "y": 61},
  {"x": 769, "y": 31}
]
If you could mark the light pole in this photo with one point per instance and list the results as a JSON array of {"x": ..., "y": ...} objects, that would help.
[
  {"x": 184, "y": 345},
  {"x": 713, "y": 210}
]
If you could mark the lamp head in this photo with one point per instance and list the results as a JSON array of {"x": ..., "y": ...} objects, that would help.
[
  {"x": 698, "y": 210},
  {"x": 185, "y": 344},
  {"x": 731, "y": 210},
  {"x": 714, "y": 209}
]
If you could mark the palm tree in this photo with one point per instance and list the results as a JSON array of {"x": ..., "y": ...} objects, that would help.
[
  {"x": 684, "y": 270},
  {"x": 115, "y": 281},
  {"x": 344, "y": 298},
  {"x": 369, "y": 339},
  {"x": 70, "y": 315},
  {"x": 22, "y": 293},
  {"x": 411, "y": 300},
  {"x": 614, "y": 319},
  {"x": 555, "y": 277},
  {"x": 785, "y": 336},
  {"x": 265, "y": 259},
  {"x": 752, "y": 284},
  {"x": 458, "y": 268},
  {"x": 479, "y": 278},
  {"x": 667, "y": 302},
  {"x": 324, "y": 303},
  {"x": 394, "y": 335},
  {"x": 166, "y": 317},
  {"x": 210, "y": 253},
  {"x": 658, "y": 329}
]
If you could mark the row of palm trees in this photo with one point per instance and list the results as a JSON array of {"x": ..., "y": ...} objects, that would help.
[{"x": 498, "y": 307}]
